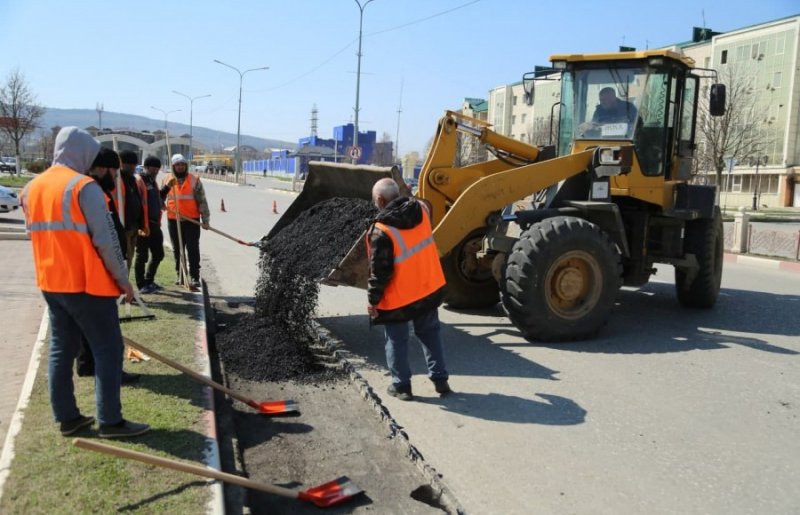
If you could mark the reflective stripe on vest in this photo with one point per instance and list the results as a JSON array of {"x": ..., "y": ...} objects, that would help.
[
  {"x": 66, "y": 260},
  {"x": 417, "y": 271},
  {"x": 183, "y": 196},
  {"x": 66, "y": 214}
]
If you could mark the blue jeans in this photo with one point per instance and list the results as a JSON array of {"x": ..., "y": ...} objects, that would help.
[
  {"x": 427, "y": 329},
  {"x": 97, "y": 318}
]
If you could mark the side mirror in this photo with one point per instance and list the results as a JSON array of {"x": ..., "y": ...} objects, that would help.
[
  {"x": 529, "y": 88},
  {"x": 716, "y": 101}
]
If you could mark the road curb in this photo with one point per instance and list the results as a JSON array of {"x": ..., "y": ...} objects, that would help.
[
  {"x": 7, "y": 454},
  {"x": 775, "y": 264}
]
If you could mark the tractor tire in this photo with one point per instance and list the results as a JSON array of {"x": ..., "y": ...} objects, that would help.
[
  {"x": 704, "y": 239},
  {"x": 561, "y": 280},
  {"x": 470, "y": 285}
]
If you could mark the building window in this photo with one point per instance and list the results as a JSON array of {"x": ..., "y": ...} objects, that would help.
[
  {"x": 513, "y": 118},
  {"x": 776, "y": 80},
  {"x": 522, "y": 137},
  {"x": 736, "y": 184},
  {"x": 514, "y": 100},
  {"x": 724, "y": 58},
  {"x": 779, "y": 44},
  {"x": 523, "y": 117}
]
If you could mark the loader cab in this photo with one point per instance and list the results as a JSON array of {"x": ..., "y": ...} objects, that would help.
[{"x": 648, "y": 99}]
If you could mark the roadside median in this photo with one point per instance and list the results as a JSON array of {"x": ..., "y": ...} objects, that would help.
[{"x": 49, "y": 475}]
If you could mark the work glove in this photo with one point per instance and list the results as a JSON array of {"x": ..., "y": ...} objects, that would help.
[{"x": 144, "y": 232}]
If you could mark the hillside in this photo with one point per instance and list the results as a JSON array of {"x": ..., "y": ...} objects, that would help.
[{"x": 202, "y": 136}]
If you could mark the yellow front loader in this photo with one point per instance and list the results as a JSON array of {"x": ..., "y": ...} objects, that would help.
[{"x": 554, "y": 232}]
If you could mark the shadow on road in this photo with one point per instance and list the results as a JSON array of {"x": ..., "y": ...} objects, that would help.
[{"x": 554, "y": 411}]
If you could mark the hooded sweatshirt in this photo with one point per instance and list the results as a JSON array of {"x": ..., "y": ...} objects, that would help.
[{"x": 76, "y": 149}]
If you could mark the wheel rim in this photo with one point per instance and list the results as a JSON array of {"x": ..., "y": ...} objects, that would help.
[
  {"x": 573, "y": 284},
  {"x": 468, "y": 267}
]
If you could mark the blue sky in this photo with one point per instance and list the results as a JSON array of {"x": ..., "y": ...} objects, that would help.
[{"x": 131, "y": 55}]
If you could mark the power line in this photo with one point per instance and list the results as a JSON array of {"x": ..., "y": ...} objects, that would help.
[{"x": 351, "y": 43}]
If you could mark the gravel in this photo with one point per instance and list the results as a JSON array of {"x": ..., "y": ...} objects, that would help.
[{"x": 276, "y": 342}]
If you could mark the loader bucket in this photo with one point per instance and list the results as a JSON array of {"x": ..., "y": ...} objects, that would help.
[{"x": 331, "y": 180}]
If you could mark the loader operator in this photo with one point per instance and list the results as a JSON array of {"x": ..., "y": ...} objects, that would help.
[
  {"x": 406, "y": 283},
  {"x": 610, "y": 110}
]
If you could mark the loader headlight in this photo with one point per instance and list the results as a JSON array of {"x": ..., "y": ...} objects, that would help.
[{"x": 608, "y": 156}]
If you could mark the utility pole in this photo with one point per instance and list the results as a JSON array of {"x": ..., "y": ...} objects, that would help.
[
  {"x": 397, "y": 133},
  {"x": 239, "y": 119},
  {"x": 758, "y": 160},
  {"x": 99, "y": 109},
  {"x": 191, "y": 109},
  {"x": 358, "y": 70}
]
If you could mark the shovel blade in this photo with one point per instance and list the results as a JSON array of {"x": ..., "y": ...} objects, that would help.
[
  {"x": 333, "y": 492},
  {"x": 275, "y": 407}
]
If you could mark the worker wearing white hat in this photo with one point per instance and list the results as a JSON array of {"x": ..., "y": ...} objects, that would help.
[{"x": 185, "y": 197}]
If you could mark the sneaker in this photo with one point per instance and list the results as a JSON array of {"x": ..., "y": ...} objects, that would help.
[
  {"x": 441, "y": 386},
  {"x": 147, "y": 288},
  {"x": 73, "y": 426},
  {"x": 194, "y": 284},
  {"x": 128, "y": 377},
  {"x": 156, "y": 287},
  {"x": 401, "y": 392},
  {"x": 124, "y": 429}
]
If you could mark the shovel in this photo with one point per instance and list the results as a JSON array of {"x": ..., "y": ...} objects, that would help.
[
  {"x": 265, "y": 407},
  {"x": 327, "y": 494},
  {"x": 237, "y": 240}
]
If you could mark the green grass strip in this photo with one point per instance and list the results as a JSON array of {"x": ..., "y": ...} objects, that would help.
[{"x": 50, "y": 475}]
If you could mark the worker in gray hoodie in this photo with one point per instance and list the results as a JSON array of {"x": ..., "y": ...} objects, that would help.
[{"x": 81, "y": 271}]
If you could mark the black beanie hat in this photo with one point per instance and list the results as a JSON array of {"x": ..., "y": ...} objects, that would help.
[
  {"x": 106, "y": 158},
  {"x": 152, "y": 161},
  {"x": 129, "y": 157}
]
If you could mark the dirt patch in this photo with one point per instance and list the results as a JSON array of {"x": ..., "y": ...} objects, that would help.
[{"x": 270, "y": 350}]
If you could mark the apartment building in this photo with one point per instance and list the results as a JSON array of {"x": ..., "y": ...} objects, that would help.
[
  {"x": 763, "y": 58},
  {"x": 765, "y": 55}
]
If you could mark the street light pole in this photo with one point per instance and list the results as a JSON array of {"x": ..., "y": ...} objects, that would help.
[
  {"x": 358, "y": 70},
  {"x": 239, "y": 120},
  {"x": 166, "y": 131},
  {"x": 191, "y": 111},
  {"x": 757, "y": 161}
]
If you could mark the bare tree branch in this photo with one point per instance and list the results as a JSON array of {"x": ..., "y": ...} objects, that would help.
[
  {"x": 738, "y": 134},
  {"x": 19, "y": 112}
]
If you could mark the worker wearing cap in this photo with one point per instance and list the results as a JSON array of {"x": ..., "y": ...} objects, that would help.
[
  {"x": 81, "y": 271},
  {"x": 183, "y": 194}
]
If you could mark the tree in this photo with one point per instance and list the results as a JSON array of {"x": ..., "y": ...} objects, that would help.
[
  {"x": 738, "y": 133},
  {"x": 19, "y": 112}
]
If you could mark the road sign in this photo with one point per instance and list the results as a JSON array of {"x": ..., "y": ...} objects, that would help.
[{"x": 355, "y": 152}]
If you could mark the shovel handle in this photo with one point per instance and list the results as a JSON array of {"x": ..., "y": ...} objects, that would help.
[
  {"x": 182, "y": 467},
  {"x": 212, "y": 229},
  {"x": 189, "y": 372}
]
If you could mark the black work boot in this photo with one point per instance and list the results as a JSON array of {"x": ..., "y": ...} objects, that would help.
[
  {"x": 401, "y": 392},
  {"x": 442, "y": 386}
]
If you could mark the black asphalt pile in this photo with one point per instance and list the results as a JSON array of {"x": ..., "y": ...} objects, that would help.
[{"x": 275, "y": 343}]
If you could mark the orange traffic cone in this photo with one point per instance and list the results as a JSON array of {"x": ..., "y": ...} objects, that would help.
[
  {"x": 275, "y": 207},
  {"x": 222, "y": 206}
]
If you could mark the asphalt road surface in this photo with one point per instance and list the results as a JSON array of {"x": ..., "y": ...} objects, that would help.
[{"x": 668, "y": 410}]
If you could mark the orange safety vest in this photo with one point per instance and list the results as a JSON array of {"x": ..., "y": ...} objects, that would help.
[
  {"x": 65, "y": 259},
  {"x": 417, "y": 270},
  {"x": 183, "y": 195}
]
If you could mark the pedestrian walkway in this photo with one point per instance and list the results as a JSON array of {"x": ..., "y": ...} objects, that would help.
[{"x": 21, "y": 309}]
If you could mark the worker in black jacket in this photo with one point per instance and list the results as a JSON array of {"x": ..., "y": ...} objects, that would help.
[{"x": 406, "y": 284}]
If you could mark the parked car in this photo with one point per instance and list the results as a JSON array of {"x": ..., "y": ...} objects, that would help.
[
  {"x": 9, "y": 201},
  {"x": 8, "y": 164}
]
